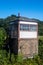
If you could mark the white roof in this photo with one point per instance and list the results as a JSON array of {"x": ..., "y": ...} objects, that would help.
[{"x": 23, "y": 22}]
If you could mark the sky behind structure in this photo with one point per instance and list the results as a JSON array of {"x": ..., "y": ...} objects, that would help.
[{"x": 27, "y": 8}]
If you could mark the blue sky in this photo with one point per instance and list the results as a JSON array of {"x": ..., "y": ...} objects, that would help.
[{"x": 27, "y": 8}]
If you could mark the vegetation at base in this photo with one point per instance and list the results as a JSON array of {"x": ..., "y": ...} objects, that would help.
[
  {"x": 34, "y": 61},
  {"x": 41, "y": 47},
  {"x": 37, "y": 60}
]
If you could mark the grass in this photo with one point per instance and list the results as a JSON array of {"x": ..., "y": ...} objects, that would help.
[{"x": 40, "y": 37}]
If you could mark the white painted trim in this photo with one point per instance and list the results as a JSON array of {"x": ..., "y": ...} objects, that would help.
[
  {"x": 23, "y": 22},
  {"x": 27, "y": 34}
]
